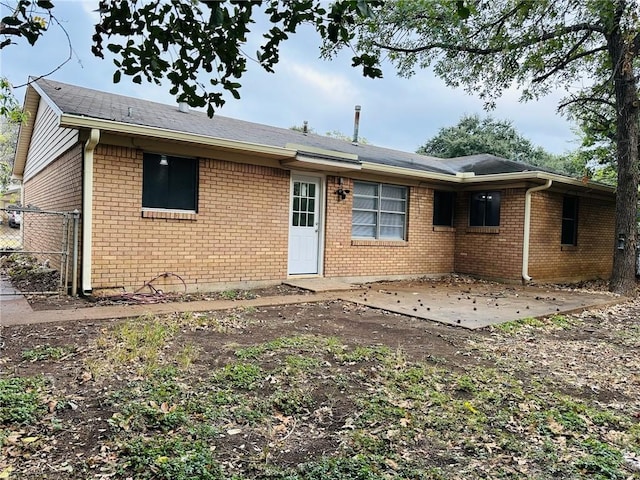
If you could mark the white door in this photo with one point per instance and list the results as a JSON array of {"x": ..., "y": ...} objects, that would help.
[{"x": 304, "y": 221}]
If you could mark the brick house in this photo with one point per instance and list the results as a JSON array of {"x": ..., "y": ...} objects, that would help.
[{"x": 225, "y": 203}]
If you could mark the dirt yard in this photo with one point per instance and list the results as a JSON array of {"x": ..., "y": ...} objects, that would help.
[{"x": 321, "y": 391}]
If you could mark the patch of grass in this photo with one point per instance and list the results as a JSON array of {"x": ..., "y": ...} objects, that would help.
[
  {"x": 20, "y": 400},
  {"x": 292, "y": 401},
  {"x": 465, "y": 383},
  {"x": 308, "y": 343},
  {"x": 363, "y": 354},
  {"x": 47, "y": 352},
  {"x": 170, "y": 458},
  {"x": 140, "y": 343},
  {"x": 601, "y": 462},
  {"x": 562, "y": 322},
  {"x": 187, "y": 355},
  {"x": 517, "y": 325},
  {"x": 245, "y": 376},
  {"x": 299, "y": 364}
]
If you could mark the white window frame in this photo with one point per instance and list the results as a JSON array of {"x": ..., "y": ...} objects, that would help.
[{"x": 379, "y": 211}]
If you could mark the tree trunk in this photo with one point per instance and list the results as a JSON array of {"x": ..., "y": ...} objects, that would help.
[{"x": 623, "y": 279}]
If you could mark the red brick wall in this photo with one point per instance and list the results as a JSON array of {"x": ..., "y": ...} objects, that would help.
[
  {"x": 57, "y": 188},
  {"x": 591, "y": 258},
  {"x": 239, "y": 234},
  {"x": 427, "y": 250},
  {"x": 491, "y": 252},
  {"x": 496, "y": 253}
]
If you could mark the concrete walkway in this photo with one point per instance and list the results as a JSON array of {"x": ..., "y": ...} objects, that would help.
[
  {"x": 469, "y": 306},
  {"x": 12, "y": 302},
  {"x": 10, "y": 316}
]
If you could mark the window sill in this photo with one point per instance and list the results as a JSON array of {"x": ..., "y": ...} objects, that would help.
[
  {"x": 379, "y": 243},
  {"x": 568, "y": 248},
  {"x": 170, "y": 215},
  {"x": 484, "y": 230},
  {"x": 443, "y": 228}
]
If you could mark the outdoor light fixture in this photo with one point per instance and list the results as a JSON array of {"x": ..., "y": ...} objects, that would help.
[
  {"x": 341, "y": 192},
  {"x": 163, "y": 160},
  {"x": 621, "y": 241}
]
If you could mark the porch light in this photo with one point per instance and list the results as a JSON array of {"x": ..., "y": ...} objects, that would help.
[
  {"x": 163, "y": 160},
  {"x": 621, "y": 241},
  {"x": 341, "y": 192}
]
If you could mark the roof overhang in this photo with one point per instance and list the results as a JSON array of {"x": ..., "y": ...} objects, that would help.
[
  {"x": 470, "y": 179},
  {"x": 30, "y": 108},
  {"x": 311, "y": 157},
  {"x": 82, "y": 122}
]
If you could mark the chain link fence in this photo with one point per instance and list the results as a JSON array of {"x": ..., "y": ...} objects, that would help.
[{"x": 40, "y": 248}]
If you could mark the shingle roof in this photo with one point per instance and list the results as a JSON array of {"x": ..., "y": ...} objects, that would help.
[{"x": 80, "y": 101}]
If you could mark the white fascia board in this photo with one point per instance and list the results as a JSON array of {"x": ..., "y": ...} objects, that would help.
[
  {"x": 302, "y": 149},
  {"x": 409, "y": 172},
  {"x": 537, "y": 175}
]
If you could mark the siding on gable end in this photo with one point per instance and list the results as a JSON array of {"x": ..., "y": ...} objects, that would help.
[{"x": 48, "y": 141}]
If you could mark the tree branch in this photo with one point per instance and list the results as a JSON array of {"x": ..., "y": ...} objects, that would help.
[
  {"x": 64, "y": 30},
  {"x": 586, "y": 100},
  {"x": 580, "y": 27},
  {"x": 568, "y": 59}
]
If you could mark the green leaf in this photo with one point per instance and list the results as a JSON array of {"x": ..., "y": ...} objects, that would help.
[
  {"x": 46, "y": 4},
  {"x": 463, "y": 11},
  {"x": 116, "y": 76}
]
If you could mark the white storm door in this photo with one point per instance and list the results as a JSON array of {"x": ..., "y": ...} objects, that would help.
[{"x": 304, "y": 225}]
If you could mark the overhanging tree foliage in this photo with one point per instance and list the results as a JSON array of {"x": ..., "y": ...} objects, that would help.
[
  {"x": 474, "y": 135},
  {"x": 538, "y": 45}
]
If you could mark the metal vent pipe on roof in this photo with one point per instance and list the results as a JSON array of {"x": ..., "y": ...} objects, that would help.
[
  {"x": 356, "y": 124},
  {"x": 183, "y": 107}
]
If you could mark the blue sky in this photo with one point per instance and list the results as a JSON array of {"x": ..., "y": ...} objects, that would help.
[{"x": 396, "y": 112}]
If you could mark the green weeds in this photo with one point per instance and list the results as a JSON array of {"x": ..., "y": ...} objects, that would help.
[
  {"x": 47, "y": 352},
  {"x": 20, "y": 400}
]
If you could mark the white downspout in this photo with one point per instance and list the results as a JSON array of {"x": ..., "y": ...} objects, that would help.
[
  {"x": 87, "y": 209},
  {"x": 527, "y": 228}
]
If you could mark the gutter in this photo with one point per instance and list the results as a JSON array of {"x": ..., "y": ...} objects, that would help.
[
  {"x": 78, "y": 121},
  {"x": 527, "y": 228},
  {"x": 87, "y": 209}
]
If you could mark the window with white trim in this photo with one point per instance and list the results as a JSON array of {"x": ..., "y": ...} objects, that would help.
[
  {"x": 379, "y": 211},
  {"x": 169, "y": 183}
]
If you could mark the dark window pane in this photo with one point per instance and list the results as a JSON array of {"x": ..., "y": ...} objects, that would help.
[
  {"x": 310, "y": 220},
  {"x": 443, "y": 207},
  {"x": 569, "y": 234},
  {"x": 296, "y": 221},
  {"x": 172, "y": 186},
  {"x": 476, "y": 211},
  {"x": 492, "y": 212},
  {"x": 484, "y": 209}
]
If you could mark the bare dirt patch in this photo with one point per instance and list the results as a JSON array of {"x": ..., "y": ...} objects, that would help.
[{"x": 321, "y": 390}]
